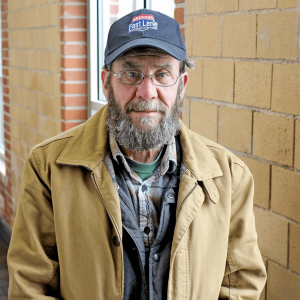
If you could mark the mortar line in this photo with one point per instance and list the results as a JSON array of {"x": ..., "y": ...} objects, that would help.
[
  {"x": 270, "y": 187},
  {"x": 35, "y": 70},
  {"x": 190, "y": 104},
  {"x": 35, "y": 91},
  {"x": 37, "y": 112},
  {"x": 33, "y": 28},
  {"x": 244, "y": 12},
  {"x": 262, "y": 60},
  {"x": 252, "y": 133},
  {"x": 246, "y": 107},
  {"x": 272, "y": 81},
  {"x": 288, "y": 245},
  {"x": 256, "y": 40},
  {"x": 73, "y": 121},
  {"x": 222, "y": 20},
  {"x": 278, "y": 264},
  {"x": 294, "y": 144},
  {"x": 272, "y": 163},
  {"x": 278, "y": 215},
  {"x": 218, "y": 123}
]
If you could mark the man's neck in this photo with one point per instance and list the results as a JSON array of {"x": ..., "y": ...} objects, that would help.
[{"x": 145, "y": 157}]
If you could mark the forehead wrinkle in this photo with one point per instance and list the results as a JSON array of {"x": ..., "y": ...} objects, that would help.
[
  {"x": 130, "y": 64},
  {"x": 164, "y": 66}
]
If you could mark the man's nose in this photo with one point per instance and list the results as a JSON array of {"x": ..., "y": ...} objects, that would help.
[{"x": 147, "y": 90}]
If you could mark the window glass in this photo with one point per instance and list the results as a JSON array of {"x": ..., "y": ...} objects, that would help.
[{"x": 103, "y": 13}]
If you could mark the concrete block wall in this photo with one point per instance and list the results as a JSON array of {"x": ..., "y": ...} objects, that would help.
[
  {"x": 34, "y": 81},
  {"x": 44, "y": 49},
  {"x": 245, "y": 94}
]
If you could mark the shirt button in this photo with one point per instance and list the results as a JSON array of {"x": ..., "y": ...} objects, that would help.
[
  {"x": 171, "y": 196},
  {"x": 116, "y": 241},
  {"x": 156, "y": 257},
  {"x": 147, "y": 230}
]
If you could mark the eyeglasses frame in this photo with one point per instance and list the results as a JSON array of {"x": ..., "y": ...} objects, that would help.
[{"x": 144, "y": 76}]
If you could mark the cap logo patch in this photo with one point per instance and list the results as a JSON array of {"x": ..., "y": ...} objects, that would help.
[{"x": 142, "y": 23}]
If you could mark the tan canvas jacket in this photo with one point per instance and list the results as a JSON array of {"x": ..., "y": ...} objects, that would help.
[{"x": 68, "y": 224}]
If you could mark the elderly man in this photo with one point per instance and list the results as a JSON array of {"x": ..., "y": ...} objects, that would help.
[{"x": 132, "y": 204}]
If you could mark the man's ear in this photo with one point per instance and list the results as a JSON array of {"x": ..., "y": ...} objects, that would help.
[
  {"x": 104, "y": 76},
  {"x": 185, "y": 78}
]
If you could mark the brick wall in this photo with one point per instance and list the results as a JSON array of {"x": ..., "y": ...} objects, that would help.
[
  {"x": 245, "y": 94},
  {"x": 73, "y": 63}
]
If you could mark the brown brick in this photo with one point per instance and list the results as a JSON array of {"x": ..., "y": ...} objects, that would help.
[
  {"x": 287, "y": 3},
  {"x": 235, "y": 128},
  {"x": 74, "y": 101},
  {"x": 257, "y": 4},
  {"x": 194, "y": 86},
  {"x": 68, "y": 125},
  {"x": 179, "y": 15},
  {"x": 297, "y": 145},
  {"x": 277, "y": 35},
  {"x": 261, "y": 174},
  {"x": 218, "y": 79},
  {"x": 73, "y": 10},
  {"x": 195, "y": 7},
  {"x": 204, "y": 119},
  {"x": 73, "y": 23},
  {"x": 213, "y": 6},
  {"x": 273, "y": 138},
  {"x": 189, "y": 35},
  {"x": 74, "y": 36},
  {"x": 239, "y": 36},
  {"x": 74, "y": 63},
  {"x": 286, "y": 89},
  {"x": 272, "y": 234},
  {"x": 74, "y": 75},
  {"x": 253, "y": 83},
  {"x": 285, "y": 194},
  {"x": 182, "y": 30},
  {"x": 73, "y": 49},
  {"x": 282, "y": 283},
  {"x": 294, "y": 261},
  {"x": 207, "y": 36},
  {"x": 186, "y": 119},
  {"x": 74, "y": 88},
  {"x": 79, "y": 114}
]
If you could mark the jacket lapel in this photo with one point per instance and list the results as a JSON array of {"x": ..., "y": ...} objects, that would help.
[
  {"x": 202, "y": 167},
  {"x": 87, "y": 148}
]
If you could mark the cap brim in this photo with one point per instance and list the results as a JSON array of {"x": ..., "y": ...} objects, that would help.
[{"x": 173, "y": 50}]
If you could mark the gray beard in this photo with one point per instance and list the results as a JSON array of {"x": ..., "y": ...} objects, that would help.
[{"x": 121, "y": 127}]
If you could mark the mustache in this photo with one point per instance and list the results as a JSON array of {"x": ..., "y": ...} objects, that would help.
[{"x": 144, "y": 105}]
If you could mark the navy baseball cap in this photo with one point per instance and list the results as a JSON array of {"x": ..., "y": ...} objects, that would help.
[{"x": 144, "y": 27}]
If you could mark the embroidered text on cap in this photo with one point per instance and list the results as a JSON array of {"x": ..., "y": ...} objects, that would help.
[{"x": 142, "y": 23}]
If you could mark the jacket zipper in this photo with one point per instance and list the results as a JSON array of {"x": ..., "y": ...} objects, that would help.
[
  {"x": 114, "y": 225},
  {"x": 186, "y": 198}
]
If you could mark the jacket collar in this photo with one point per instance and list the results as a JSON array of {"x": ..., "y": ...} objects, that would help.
[{"x": 89, "y": 145}]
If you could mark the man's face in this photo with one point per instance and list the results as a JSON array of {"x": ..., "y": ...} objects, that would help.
[
  {"x": 143, "y": 117},
  {"x": 127, "y": 96}
]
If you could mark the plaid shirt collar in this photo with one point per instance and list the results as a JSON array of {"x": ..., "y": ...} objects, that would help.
[{"x": 168, "y": 162}]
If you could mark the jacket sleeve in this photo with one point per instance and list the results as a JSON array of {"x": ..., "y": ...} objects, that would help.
[
  {"x": 245, "y": 273},
  {"x": 32, "y": 256}
]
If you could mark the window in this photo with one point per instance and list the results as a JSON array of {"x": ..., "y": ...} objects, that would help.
[
  {"x": 2, "y": 147},
  {"x": 102, "y": 14}
]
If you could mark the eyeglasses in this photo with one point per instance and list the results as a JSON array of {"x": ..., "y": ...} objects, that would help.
[{"x": 164, "y": 79}]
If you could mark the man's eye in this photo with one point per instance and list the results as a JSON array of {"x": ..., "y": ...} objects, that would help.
[
  {"x": 162, "y": 75},
  {"x": 132, "y": 74}
]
